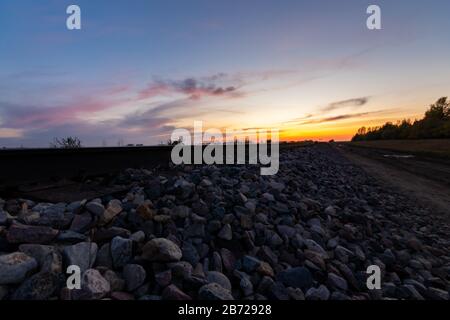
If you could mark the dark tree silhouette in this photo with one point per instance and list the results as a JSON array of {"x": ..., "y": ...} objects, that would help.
[
  {"x": 434, "y": 125},
  {"x": 66, "y": 143}
]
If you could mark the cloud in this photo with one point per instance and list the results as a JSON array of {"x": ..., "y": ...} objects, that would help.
[
  {"x": 342, "y": 117},
  {"x": 193, "y": 88},
  {"x": 10, "y": 133},
  {"x": 355, "y": 102}
]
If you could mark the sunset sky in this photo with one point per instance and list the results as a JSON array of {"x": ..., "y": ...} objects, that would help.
[{"x": 139, "y": 69}]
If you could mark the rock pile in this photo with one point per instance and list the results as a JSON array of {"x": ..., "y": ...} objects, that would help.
[{"x": 225, "y": 232}]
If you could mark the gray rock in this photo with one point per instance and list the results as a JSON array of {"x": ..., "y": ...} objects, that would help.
[
  {"x": 68, "y": 236},
  {"x": 162, "y": 250},
  {"x": 115, "y": 282},
  {"x": 226, "y": 233},
  {"x": 134, "y": 276},
  {"x": 163, "y": 278},
  {"x": 337, "y": 282},
  {"x": 14, "y": 267},
  {"x": 121, "y": 251},
  {"x": 172, "y": 292},
  {"x": 190, "y": 253},
  {"x": 320, "y": 293},
  {"x": 40, "y": 286},
  {"x": 55, "y": 216},
  {"x": 94, "y": 286},
  {"x": 330, "y": 210},
  {"x": 220, "y": 278},
  {"x": 19, "y": 233},
  {"x": 48, "y": 257},
  {"x": 228, "y": 259},
  {"x": 437, "y": 294},
  {"x": 250, "y": 264},
  {"x": 82, "y": 254},
  {"x": 138, "y": 236},
  {"x": 214, "y": 291},
  {"x": 95, "y": 208}
]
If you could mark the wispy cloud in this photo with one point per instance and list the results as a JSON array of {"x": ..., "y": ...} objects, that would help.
[
  {"x": 342, "y": 117},
  {"x": 193, "y": 88},
  {"x": 354, "y": 103}
]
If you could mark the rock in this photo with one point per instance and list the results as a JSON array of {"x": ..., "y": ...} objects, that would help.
[
  {"x": 190, "y": 253},
  {"x": 172, "y": 292},
  {"x": 437, "y": 294},
  {"x": 219, "y": 278},
  {"x": 145, "y": 212},
  {"x": 250, "y": 264},
  {"x": 246, "y": 286},
  {"x": 96, "y": 208},
  {"x": 14, "y": 267},
  {"x": 226, "y": 233},
  {"x": 412, "y": 292},
  {"x": 214, "y": 291},
  {"x": 93, "y": 285},
  {"x": 180, "y": 212},
  {"x": 336, "y": 282},
  {"x": 298, "y": 277},
  {"x": 296, "y": 293},
  {"x": 134, "y": 276},
  {"x": 228, "y": 259},
  {"x": 138, "y": 236},
  {"x": 48, "y": 257},
  {"x": 162, "y": 250},
  {"x": 330, "y": 210},
  {"x": 320, "y": 293},
  {"x": 278, "y": 292},
  {"x": 104, "y": 258},
  {"x": 181, "y": 269},
  {"x": 265, "y": 269},
  {"x": 68, "y": 236},
  {"x": 19, "y": 233},
  {"x": 3, "y": 218},
  {"x": 103, "y": 235},
  {"x": 314, "y": 246},
  {"x": 115, "y": 282},
  {"x": 40, "y": 286},
  {"x": 268, "y": 196},
  {"x": 55, "y": 216},
  {"x": 343, "y": 254},
  {"x": 113, "y": 208},
  {"x": 82, "y": 254},
  {"x": 123, "y": 296},
  {"x": 82, "y": 222},
  {"x": 163, "y": 278},
  {"x": 121, "y": 251}
]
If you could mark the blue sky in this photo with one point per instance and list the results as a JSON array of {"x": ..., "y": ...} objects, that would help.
[{"x": 138, "y": 69}]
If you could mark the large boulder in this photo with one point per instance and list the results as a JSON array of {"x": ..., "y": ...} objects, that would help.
[
  {"x": 15, "y": 267},
  {"x": 161, "y": 250}
]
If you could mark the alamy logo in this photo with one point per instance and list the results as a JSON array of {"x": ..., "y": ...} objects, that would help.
[
  {"x": 73, "y": 22},
  {"x": 374, "y": 20},
  {"x": 74, "y": 280},
  {"x": 374, "y": 280},
  {"x": 209, "y": 147}
]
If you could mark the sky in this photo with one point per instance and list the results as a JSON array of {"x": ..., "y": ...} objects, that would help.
[{"x": 139, "y": 69}]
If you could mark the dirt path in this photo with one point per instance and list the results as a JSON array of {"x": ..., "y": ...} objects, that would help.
[{"x": 430, "y": 192}]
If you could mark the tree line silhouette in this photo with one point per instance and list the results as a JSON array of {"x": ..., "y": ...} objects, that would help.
[{"x": 434, "y": 125}]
